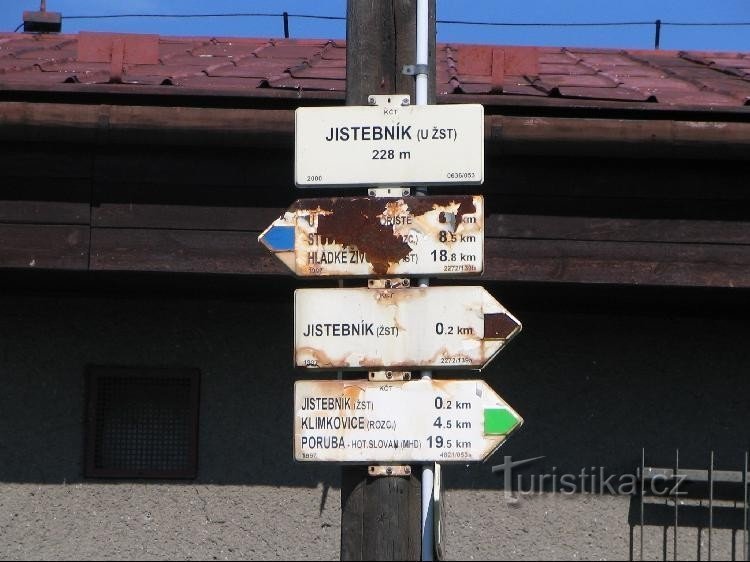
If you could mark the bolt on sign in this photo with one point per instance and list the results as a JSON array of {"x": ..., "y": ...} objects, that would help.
[
  {"x": 440, "y": 327},
  {"x": 389, "y": 145},
  {"x": 416, "y": 421},
  {"x": 372, "y": 236}
]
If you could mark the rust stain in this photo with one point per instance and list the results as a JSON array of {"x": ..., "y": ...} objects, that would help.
[
  {"x": 374, "y": 362},
  {"x": 422, "y": 205},
  {"x": 322, "y": 359},
  {"x": 368, "y": 223}
]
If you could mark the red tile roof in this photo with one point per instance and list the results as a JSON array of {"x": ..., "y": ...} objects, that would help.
[{"x": 309, "y": 67}]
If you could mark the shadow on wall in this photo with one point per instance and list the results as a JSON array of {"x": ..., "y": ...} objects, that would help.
[
  {"x": 595, "y": 389},
  {"x": 595, "y": 382}
]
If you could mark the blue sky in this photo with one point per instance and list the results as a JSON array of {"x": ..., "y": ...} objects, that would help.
[{"x": 641, "y": 37}]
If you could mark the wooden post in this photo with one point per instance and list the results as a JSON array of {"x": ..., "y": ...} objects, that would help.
[
  {"x": 381, "y": 517},
  {"x": 380, "y": 40}
]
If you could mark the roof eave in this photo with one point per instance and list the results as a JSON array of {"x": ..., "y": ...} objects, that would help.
[{"x": 269, "y": 128}]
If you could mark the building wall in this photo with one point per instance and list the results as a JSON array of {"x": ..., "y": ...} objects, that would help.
[{"x": 597, "y": 376}]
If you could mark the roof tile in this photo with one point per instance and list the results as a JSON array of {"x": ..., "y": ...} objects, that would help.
[
  {"x": 188, "y": 59},
  {"x": 474, "y": 60},
  {"x": 316, "y": 71},
  {"x": 316, "y": 65},
  {"x": 32, "y": 78},
  {"x": 602, "y": 60},
  {"x": 331, "y": 63},
  {"x": 334, "y": 52},
  {"x": 681, "y": 97},
  {"x": 302, "y": 52},
  {"x": 580, "y": 81},
  {"x": 571, "y": 69},
  {"x": 226, "y": 49},
  {"x": 229, "y": 83},
  {"x": 526, "y": 89},
  {"x": 619, "y": 93},
  {"x": 653, "y": 84},
  {"x": 249, "y": 68},
  {"x": 556, "y": 58},
  {"x": 625, "y": 72},
  {"x": 307, "y": 84},
  {"x": 474, "y": 89}
]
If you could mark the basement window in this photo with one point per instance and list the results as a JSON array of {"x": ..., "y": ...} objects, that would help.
[{"x": 142, "y": 422}]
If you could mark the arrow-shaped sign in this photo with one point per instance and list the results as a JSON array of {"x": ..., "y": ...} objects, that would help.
[
  {"x": 366, "y": 236},
  {"x": 416, "y": 421},
  {"x": 441, "y": 327}
]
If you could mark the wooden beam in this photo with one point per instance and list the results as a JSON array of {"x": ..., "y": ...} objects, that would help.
[
  {"x": 41, "y": 160},
  {"x": 645, "y": 138},
  {"x": 592, "y": 229},
  {"x": 660, "y": 136},
  {"x": 25, "y": 246},
  {"x": 518, "y": 247},
  {"x": 188, "y": 207},
  {"x": 618, "y": 263},
  {"x": 45, "y": 201},
  {"x": 193, "y": 166},
  {"x": 180, "y": 251}
]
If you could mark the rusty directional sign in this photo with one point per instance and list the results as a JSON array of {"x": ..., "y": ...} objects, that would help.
[
  {"x": 390, "y": 144},
  {"x": 373, "y": 236},
  {"x": 416, "y": 421},
  {"x": 435, "y": 327}
]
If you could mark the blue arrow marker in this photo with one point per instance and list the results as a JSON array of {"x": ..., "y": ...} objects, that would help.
[{"x": 279, "y": 238}]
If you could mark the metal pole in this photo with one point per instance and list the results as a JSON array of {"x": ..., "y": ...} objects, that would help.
[
  {"x": 643, "y": 489},
  {"x": 676, "y": 501},
  {"x": 428, "y": 503},
  {"x": 710, "y": 504},
  {"x": 423, "y": 50},
  {"x": 657, "y": 38},
  {"x": 746, "y": 550},
  {"x": 428, "y": 470},
  {"x": 286, "y": 25}
]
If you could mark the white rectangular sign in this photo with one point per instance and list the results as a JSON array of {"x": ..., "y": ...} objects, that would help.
[
  {"x": 389, "y": 145},
  {"x": 417, "y": 421}
]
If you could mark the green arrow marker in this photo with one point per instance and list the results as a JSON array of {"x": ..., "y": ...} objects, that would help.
[{"x": 499, "y": 421}]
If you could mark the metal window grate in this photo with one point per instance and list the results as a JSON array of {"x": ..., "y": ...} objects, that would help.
[{"x": 142, "y": 422}]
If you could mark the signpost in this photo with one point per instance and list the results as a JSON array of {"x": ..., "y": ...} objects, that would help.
[
  {"x": 392, "y": 144},
  {"x": 371, "y": 236},
  {"x": 441, "y": 327},
  {"x": 409, "y": 422}
]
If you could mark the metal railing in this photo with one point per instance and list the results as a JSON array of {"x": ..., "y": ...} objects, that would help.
[{"x": 707, "y": 500}]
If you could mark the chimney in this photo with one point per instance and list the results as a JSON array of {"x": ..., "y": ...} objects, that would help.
[{"x": 42, "y": 21}]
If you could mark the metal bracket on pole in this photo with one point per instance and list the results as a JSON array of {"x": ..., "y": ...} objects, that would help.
[
  {"x": 393, "y": 99},
  {"x": 415, "y": 69},
  {"x": 389, "y": 192},
  {"x": 390, "y": 376},
  {"x": 388, "y": 470},
  {"x": 388, "y": 283}
]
